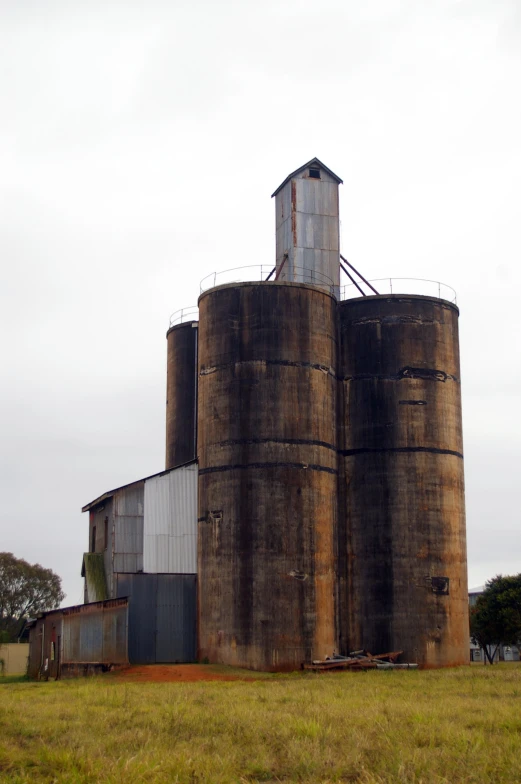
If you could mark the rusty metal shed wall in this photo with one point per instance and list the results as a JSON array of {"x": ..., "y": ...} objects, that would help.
[
  {"x": 170, "y": 522},
  {"x": 35, "y": 649},
  {"x": 96, "y": 633},
  {"x": 181, "y": 394},
  {"x": 307, "y": 228},
  {"x": 45, "y": 642},
  {"x": 402, "y": 544},
  {"x": 267, "y": 475},
  {"x": 162, "y": 617}
]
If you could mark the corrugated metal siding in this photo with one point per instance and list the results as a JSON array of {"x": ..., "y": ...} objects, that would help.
[
  {"x": 170, "y": 522},
  {"x": 318, "y": 197},
  {"x": 176, "y": 618},
  {"x": 35, "y": 649},
  {"x": 128, "y": 534},
  {"x": 129, "y": 501},
  {"x": 141, "y": 591},
  {"x": 307, "y": 230},
  {"x": 128, "y": 529},
  {"x": 96, "y": 633},
  {"x": 45, "y": 642},
  {"x": 128, "y": 562},
  {"x": 162, "y": 616}
]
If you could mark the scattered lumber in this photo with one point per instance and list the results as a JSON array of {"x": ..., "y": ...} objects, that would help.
[{"x": 359, "y": 660}]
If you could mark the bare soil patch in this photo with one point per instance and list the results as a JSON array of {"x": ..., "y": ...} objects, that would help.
[{"x": 180, "y": 673}]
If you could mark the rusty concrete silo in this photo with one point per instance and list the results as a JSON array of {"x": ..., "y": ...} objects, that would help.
[
  {"x": 267, "y": 474},
  {"x": 402, "y": 546},
  {"x": 181, "y": 394}
]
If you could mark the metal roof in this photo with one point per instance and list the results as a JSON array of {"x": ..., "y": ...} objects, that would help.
[
  {"x": 74, "y": 607},
  {"x": 110, "y": 493},
  {"x": 312, "y": 162}
]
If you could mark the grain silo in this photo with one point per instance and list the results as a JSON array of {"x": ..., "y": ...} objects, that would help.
[
  {"x": 181, "y": 393},
  {"x": 267, "y": 474},
  {"x": 329, "y": 480},
  {"x": 331, "y": 498},
  {"x": 403, "y": 574}
]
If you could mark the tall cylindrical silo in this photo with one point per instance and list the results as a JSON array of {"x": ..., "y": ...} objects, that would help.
[
  {"x": 181, "y": 394},
  {"x": 402, "y": 543},
  {"x": 267, "y": 474}
]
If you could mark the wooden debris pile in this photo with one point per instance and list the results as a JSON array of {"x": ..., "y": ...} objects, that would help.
[{"x": 360, "y": 660}]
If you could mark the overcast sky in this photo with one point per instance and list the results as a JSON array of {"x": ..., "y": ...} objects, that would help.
[{"x": 139, "y": 146}]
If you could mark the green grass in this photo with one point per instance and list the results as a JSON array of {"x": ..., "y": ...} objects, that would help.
[
  {"x": 461, "y": 725},
  {"x": 12, "y": 679}
]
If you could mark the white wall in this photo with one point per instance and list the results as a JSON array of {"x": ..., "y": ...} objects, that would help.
[
  {"x": 14, "y": 656},
  {"x": 170, "y": 522}
]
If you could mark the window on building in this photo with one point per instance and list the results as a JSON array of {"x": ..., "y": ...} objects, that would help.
[
  {"x": 93, "y": 540},
  {"x": 106, "y": 533},
  {"x": 314, "y": 174},
  {"x": 440, "y": 585}
]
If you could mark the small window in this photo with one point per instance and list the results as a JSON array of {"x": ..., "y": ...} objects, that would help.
[
  {"x": 440, "y": 585},
  {"x": 106, "y": 533},
  {"x": 314, "y": 174},
  {"x": 93, "y": 540}
]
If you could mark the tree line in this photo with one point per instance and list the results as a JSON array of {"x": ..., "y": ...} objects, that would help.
[
  {"x": 495, "y": 619},
  {"x": 25, "y": 591}
]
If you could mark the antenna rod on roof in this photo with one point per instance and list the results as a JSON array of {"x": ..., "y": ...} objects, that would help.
[
  {"x": 359, "y": 275},
  {"x": 362, "y": 292}
]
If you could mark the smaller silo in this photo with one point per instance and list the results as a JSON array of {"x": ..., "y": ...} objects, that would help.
[
  {"x": 181, "y": 394},
  {"x": 402, "y": 544}
]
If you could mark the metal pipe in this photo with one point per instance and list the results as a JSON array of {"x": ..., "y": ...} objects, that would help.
[
  {"x": 281, "y": 266},
  {"x": 353, "y": 280},
  {"x": 271, "y": 273},
  {"x": 358, "y": 273}
]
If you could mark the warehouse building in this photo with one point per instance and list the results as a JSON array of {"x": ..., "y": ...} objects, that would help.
[
  {"x": 143, "y": 546},
  {"x": 140, "y": 583}
]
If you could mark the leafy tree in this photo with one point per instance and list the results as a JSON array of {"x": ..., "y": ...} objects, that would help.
[
  {"x": 25, "y": 589},
  {"x": 495, "y": 619}
]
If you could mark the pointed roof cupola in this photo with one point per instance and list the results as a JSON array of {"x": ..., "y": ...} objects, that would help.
[{"x": 307, "y": 227}]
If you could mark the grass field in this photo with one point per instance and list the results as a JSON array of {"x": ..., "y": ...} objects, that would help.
[{"x": 461, "y": 725}]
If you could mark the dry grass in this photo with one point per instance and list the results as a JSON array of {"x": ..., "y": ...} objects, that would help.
[{"x": 461, "y": 725}]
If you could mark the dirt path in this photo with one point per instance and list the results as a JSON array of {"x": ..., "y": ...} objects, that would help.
[{"x": 180, "y": 673}]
